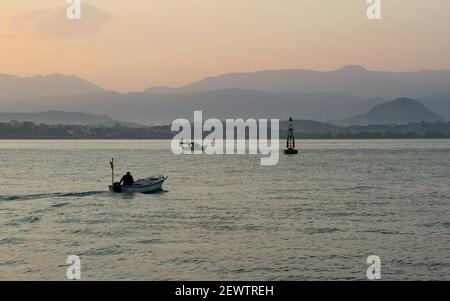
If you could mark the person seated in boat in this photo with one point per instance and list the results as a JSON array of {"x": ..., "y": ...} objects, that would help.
[{"x": 127, "y": 179}]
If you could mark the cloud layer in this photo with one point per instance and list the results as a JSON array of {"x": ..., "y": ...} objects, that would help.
[{"x": 53, "y": 23}]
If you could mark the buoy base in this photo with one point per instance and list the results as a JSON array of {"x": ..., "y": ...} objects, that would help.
[{"x": 290, "y": 151}]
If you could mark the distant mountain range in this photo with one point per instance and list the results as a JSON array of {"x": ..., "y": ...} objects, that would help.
[
  {"x": 53, "y": 85},
  {"x": 353, "y": 80},
  {"x": 399, "y": 111},
  {"x": 147, "y": 108},
  {"x": 304, "y": 94}
]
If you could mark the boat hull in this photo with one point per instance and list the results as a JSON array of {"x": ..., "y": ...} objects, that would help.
[{"x": 147, "y": 185}]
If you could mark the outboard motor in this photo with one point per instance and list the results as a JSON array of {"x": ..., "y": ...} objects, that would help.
[{"x": 117, "y": 187}]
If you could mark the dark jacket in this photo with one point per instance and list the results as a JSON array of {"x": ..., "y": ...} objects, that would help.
[{"x": 127, "y": 180}]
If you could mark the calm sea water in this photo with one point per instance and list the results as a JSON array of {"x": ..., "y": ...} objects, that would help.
[{"x": 315, "y": 216}]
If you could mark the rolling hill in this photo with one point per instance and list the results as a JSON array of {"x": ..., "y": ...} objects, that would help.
[
  {"x": 53, "y": 85},
  {"x": 148, "y": 108},
  {"x": 438, "y": 102},
  {"x": 399, "y": 111},
  {"x": 353, "y": 80}
]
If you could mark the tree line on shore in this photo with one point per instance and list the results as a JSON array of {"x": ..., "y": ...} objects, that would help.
[{"x": 30, "y": 130}]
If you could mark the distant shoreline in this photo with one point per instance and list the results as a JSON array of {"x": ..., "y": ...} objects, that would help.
[
  {"x": 304, "y": 129},
  {"x": 166, "y": 139}
]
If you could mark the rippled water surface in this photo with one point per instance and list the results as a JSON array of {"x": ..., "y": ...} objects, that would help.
[{"x": 317, "y": 215}]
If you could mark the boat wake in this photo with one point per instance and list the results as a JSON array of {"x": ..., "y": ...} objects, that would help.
[{"x": 5, "y": 198}]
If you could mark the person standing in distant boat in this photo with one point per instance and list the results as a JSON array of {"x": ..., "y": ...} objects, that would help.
[{"x": 127, "y": 179}]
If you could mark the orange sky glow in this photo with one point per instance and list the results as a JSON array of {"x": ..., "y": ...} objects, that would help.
[{"x": 130, "y": 46}]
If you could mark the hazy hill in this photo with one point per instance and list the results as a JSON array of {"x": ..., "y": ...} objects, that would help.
[
  {"x": 148, "y": 108},
  {"x": 53, "y": 85},
  {"x": 438, "y": 102},
  {"x": 399, "y": 111},
  {"x": 303, "y": 94},
  {"x": 65, "y": 118},
  {"x": 353, "y": 80},
  {"x": 376, "y": 101}
]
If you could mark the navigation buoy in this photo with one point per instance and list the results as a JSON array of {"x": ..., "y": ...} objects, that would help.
[{"x": 290, "y": 143}]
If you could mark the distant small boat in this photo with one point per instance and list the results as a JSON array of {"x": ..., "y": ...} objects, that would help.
[
  {"x": 195, "y": 146},
  {"x": 192, "y": 146},
  {"x": 147, "y": 185}
]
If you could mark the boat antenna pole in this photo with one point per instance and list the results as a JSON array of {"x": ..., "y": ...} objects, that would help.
[{"x": 112, "y": 169}]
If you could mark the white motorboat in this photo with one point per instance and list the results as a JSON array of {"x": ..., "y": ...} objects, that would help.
[
  {"x": 147, "y": 185},
  {"x": 192, "y": 146}
]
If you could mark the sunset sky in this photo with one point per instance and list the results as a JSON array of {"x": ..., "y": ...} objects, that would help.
[{"x": 132, "y": 45}]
